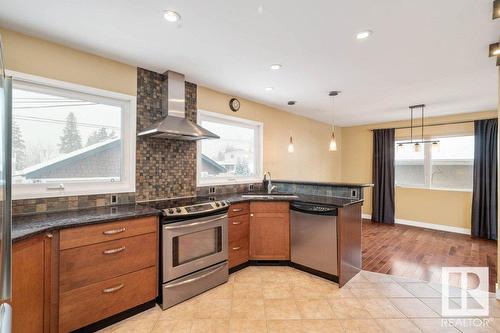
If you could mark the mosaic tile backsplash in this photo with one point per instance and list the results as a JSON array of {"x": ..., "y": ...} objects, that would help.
[
  {"x": 57, "y": 204},
  {"x": 320, "y": 190},
  {"x": 164, "y": 168},
  {"x": 227, "y": 189}
]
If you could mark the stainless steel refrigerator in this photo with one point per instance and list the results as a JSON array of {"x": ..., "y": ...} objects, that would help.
[{"x": 5, "y": 196}]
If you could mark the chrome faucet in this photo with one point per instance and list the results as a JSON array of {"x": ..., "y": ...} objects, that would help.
[{"x": 270, "y": 186}]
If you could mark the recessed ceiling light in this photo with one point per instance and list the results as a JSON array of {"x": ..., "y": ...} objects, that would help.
[
  {"x": 171, "y": 16},
  {"x": 269, "y": 88},
  {"x": 364, "y": 34},
  {"x": 275, "y": 67}
]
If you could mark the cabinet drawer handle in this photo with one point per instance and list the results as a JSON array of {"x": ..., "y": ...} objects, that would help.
[
  {"x": 114, "y": 231},
  {"x": 236, "y": 248},
  {"x": 236, "y": 222},
  {"x": 112, "y": 251},
  {"x": 235, "y": 210},
  {"x": 113, "y": 289}
]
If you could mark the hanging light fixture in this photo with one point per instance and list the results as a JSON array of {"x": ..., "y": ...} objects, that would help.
[
  {"x": 417, "y": 145},
  {"x": 496, "y": 9},
  {"x": 333, "y": 142},
  {"x": 435, "y": 147},
  {"x": 291, "y": 148}
]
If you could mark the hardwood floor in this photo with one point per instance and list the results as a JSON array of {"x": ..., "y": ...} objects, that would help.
[{"x": 420, "y": 253}]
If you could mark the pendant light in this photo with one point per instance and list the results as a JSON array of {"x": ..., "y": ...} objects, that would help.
[
  {"x": 417, "y": 145},
  {"x": 333, "y": 142},
  {"x": 291, "y": 148},
  {"x": 435, "y": 147}
]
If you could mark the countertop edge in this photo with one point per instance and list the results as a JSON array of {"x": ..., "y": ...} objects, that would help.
[
  {"x": 240, "y": 200},
  {"x": 36, "y": 228},
  {"x": 337, "y": 184}
]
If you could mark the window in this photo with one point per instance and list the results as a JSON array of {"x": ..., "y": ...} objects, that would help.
[
  {"x": 70, "y": 140},
  {"x": 234, "y": 158},
  {"x": 450, "y": 166}
]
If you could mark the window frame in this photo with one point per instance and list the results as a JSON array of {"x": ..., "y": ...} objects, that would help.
[
  {"x": 428, "y": 164},
  {"x": 259, "y": 149},
  {"x": 128, "y": 103}
]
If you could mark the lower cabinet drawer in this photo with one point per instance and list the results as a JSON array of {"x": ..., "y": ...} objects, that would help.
[
  {"x": 85, "y": 265},
  {"x": 83, "y": 306},
  {"x": 238, "y": 227},
  {"x": 238, "y": 209},
  {"x": 238, "y": 252}
]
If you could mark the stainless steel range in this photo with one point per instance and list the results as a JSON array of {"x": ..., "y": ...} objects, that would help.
[{"x": 194, "y": 248}]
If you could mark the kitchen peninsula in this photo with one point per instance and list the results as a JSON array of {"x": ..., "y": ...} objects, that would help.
[{"x": 259, "y": 232}]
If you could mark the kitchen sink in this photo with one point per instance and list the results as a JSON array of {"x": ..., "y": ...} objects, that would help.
[{"x": 272, "y": 196}]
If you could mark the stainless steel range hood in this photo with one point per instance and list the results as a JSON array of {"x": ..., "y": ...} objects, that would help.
[{"x": 174, "y": 124}]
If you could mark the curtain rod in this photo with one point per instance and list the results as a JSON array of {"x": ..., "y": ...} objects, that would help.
[{"x": 430, "y": 125}]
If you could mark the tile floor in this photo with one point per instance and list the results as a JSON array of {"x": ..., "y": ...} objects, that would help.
[{"x": 282, "y": 299}]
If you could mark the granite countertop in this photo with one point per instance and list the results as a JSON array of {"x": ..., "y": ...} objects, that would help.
[
  {"x": 338, "y": 184},
  {"x": 305, "y": 198},
  {"x": 239, "y": 197},
  {"x": 24, "y": 226}
]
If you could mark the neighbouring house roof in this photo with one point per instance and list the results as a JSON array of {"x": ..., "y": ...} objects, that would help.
[
  {"x": 210, "y": 162},
  {"x": 68, "y": 159}
]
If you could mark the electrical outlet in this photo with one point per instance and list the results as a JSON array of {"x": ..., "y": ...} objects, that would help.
[
  {"x": 114, "y": 210},
  {"x": 211, "y": 190},
  {"x": 251, "y": 187},
  {"x": 354, "y": 193},
  {"x": 114, "y": 199}
]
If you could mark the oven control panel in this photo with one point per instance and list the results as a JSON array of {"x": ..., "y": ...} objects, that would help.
[{"x": 196, "y": 209}]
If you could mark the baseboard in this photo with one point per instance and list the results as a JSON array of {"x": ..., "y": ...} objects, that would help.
[
  {"x": 433, "y": 226},
  {"x": 426, "y": 225}
]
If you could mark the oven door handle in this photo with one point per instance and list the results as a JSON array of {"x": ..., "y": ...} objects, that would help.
[
  {"x": 171, "y": 227},
  {"x": 196, "y": 278}
]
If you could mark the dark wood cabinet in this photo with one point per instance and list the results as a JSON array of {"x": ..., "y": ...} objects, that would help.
[
  {"x": 269, "y": 231},
  {"x": 106, "y": 269},
  {"x": 31, "y": 284},
  {"x": 238, "y": 234}
]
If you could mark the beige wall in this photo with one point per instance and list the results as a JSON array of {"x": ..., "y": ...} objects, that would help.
[
  {"x": 38, "y": 57},
  {"x": 452, "y": 208},
  {"x": 311, "y": 159}
]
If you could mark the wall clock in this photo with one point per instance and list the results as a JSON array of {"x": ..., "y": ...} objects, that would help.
[{"x": 234, "y": 104}]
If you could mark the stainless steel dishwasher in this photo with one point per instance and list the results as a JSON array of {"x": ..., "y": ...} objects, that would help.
[{"x": 314, "y": 238}]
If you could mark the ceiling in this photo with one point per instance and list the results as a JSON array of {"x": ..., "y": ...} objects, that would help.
[{"x": 425, "y": 51}]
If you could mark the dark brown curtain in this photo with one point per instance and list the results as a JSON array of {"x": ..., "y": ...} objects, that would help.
[
  {"x": 484, "y": 197},
  {"x": 383, "y": 175}
]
